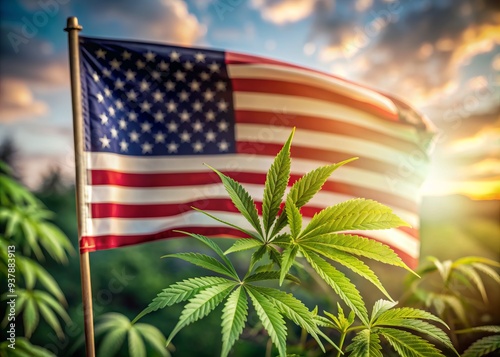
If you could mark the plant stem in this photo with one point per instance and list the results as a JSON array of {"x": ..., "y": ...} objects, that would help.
[{"x": 341, "y": 343}]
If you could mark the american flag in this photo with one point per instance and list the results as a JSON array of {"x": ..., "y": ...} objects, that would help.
[{"x": 153, "y": 114}]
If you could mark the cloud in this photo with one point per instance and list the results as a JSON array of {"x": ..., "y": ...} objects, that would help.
[
  {"x": 17, "y": 102},
  {"x": 163, "y": 20},
  {"x": 284, "y": 11}
]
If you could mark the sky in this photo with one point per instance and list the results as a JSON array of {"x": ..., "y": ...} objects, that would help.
[{"x": 440, "y": 56}]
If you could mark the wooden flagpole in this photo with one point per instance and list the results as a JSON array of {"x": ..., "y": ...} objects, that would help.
[{"x": 73, "y": 28}]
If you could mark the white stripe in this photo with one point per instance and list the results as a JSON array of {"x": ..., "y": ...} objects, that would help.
[
  {"x": 325, "y": 141},
  {"x": 260, "y": 164},
  {"x": 276, "y": 103},
  {"x": 303, "y": 76},
  {"x": 121, "y": 226}
]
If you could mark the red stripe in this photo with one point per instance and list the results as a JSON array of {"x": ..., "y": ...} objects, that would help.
[
  {"x": 323, "y": 125},
  {"x": 101, "y": 177},
  {"x": 308, "y": 91}
]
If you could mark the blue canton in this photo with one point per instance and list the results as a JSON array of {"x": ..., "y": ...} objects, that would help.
[{"x": 153, "y": 100}]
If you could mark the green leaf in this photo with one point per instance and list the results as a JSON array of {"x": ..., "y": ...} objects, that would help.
[
  {"x": 154, "y": 337},
  {"x": 51, "y": 319},
  {"x": 42, "y": 297},
  {"x": 340, "y": 284},
  {"x": 270, "y": 275},
  {"x": 409, "y": 313},
  {"x": 409, "y": 345},
  {"x": 353, "y": 214},
  {"x": 204, "y": 261},
  {"x": 483, "y": 346},
  {"x": 234, "y": 316},
  {"x": 360, "y": 246},
  {"x": 365, "y": 344},
  {"x": 271, "y": 319},
  {"x": 201, "y": 305},
  {"x": 30, "y": 316},
  {"x": 350, "y": 262},
  {"x": 293, "y": 309},
  {"x": 474, "y": 277},
  {"x": 276, "y": 182},
  {"x": 305, "y": 188},
  {"x": 212, "y": 245},
  {"x": 180, "y": 291},
  {"x": 485, "y": 328},
  {"x": 241, "y": 200},
  {"x": 243, "y": 244},
  {"x": 257, "y": 255},
  {"x": 294, "y": 218},
  {"x": 287, "y": 259},
  {"x": 250, "y": 234},
  {"x": 472, "y": 260},
  {"x": 485, "y": 269},
  {"x": 380, "y": 307},
  {"x": 136, "y": 345},
  {"x": 112, "y": 342}
]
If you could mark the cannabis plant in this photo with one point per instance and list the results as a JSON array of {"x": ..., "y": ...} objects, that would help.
[{"x": 278, "y": 241}]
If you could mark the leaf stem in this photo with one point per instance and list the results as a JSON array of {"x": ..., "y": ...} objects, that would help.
[{"x": 341, "y": 343}]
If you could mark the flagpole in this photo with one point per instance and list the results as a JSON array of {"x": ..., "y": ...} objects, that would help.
[{"x": 73, "y": 28}]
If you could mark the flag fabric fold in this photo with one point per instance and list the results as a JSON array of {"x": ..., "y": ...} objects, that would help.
[{"x": 153, "y": 114}]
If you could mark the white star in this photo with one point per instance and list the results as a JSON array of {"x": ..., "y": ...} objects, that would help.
[
  {"x": 131, "y": 95},
  {"x": 111, "y": 111},
  {"x": 159, "y": 137},
  {"x": 159, "y": 117},
  {"x": 146, "y": 127},
  {"x": 171, "y": 106},
  {"x": 155, "y": 75},
  {"x": 119, "y": 104},
  {"x": 172, "y": 147},
  {"x": 195, "y": 86},
  {"x": 172, "y": 127},
  {"x": 174, "y": 56},
  {"x": 104, "y": 118},
  {"x": 150, "y": 56},
  {"x": 180, "y": 76},
  {"x": 132, "y": 116},
  {"x": 208, "y": 95},
  {"x": 106, "y": 72},
  {"x": 199, "y": 57},
  {"x": 119, "y": 84},
  {"x": 204, "y": 76},
  {"x": 214, "y": 67},
  {"x": 115, "y": 64},
  {"x": 123, "y": 145},
  {"x": 123, "y": 124},
  {"x": 158, "y": 96},
  {"x": 188, "y": 66},
  {"x": 126, "y": 55},
  {"x": 183, "y": 96},
  {"x": 107, "y": 92},
  {"x": 210, "y": 135},
  {"x": 222, "y": 105},
  {"x": 134, "y": 136},
  {"x": 198, "y": 146},
  {"x": 210, "y": 115},
  {"x": 100, "y": 98},
  {"x": 185, "y": 137},
  {"x": 223, "y": 125},
  {"x": 220, "y": 86},
  {"x": 197, "y": 106},
  {"x": 184, "y": 116},
  {"x": 100, "y": 53},
  {"x": 140, "y": 64},
  {"x": 104, "y": 142},
  {"x": 95, "y": 76},
  {"x": 163, "y": 66},
  {"x": 130, "y": 75},
  {"x": 197, "y": 126},
  {"x": 146, "y": 148},
  {"x": 223, "y": 145},
  {"x": 144, "y": 86},
  {"x": 114, "y": 132},
  {"x": 170, "y": 85},
  {"x": 145, "y": 106}
]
